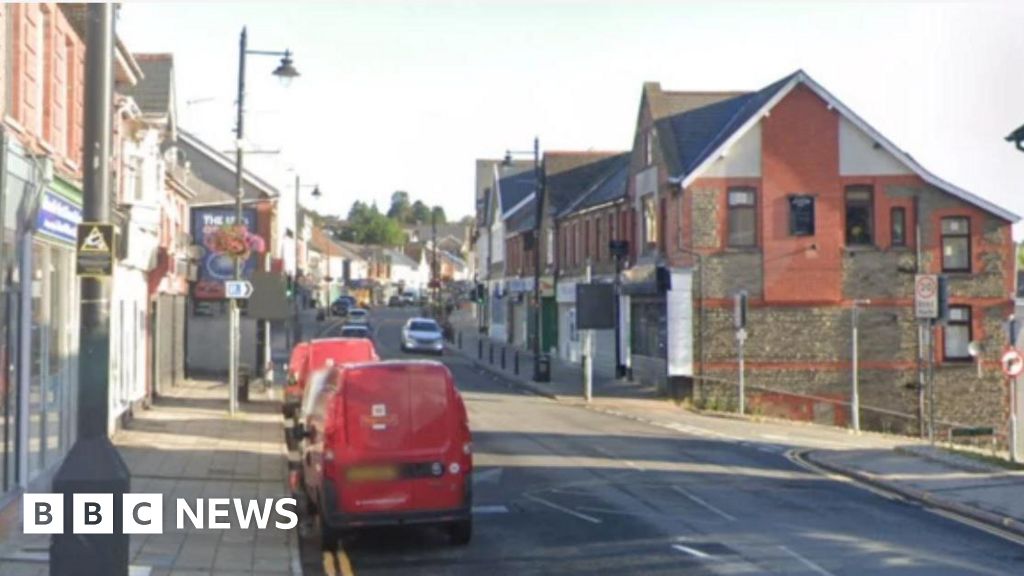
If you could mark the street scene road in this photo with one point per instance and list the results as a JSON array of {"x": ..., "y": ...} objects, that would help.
[{"x": 563, "y": 490}]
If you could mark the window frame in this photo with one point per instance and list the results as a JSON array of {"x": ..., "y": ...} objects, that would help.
[
  {"x": 792, "y": 219},
  {"x": 903, "y": 226},
  {"x": 966, "y": 357},
  {"x": 942, "y": 243},
  {"x": 730, "y": 209},
  {"x": 870, "y": 204}
]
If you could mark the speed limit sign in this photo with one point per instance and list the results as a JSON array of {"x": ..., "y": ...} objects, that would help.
[{"x": 1013, "y": 364}]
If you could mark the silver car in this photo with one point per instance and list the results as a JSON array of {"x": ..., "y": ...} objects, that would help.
[
  {"x": 422, "y": 335},
  {"x": 358, "y": 316}
]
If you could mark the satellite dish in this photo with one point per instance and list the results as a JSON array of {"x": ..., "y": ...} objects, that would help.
[{"x": 974, "y": 349}]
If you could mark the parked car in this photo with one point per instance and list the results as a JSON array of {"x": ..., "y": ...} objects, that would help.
[
  {"x": 388, "y": 443},
  {"x": 356, "y": 331},
  {"x": 422, "y": 335},
  {"x": 320, "y": 353},
  {"x": 408, "y": 299},
  {"x": 395, "y": 302},
  {"x": 295, "y": 373},
  {"x": 358, "y": 316},
  {"x": 342, "y": 304}
]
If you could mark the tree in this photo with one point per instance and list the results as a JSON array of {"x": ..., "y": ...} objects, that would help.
[
  {"x": 400, "y": 209},
  {"x": 420, "y": 213},
  {"x": 438, "y": 212}
]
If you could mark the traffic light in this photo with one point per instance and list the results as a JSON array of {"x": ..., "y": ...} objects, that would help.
[{"x": 739, "y": 314}]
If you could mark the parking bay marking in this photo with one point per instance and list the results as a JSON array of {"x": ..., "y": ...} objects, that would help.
[
  {"x": 701, "y": 502},
  {"x": 561, "y": 508},
  {"x": 810, "y": 565}
]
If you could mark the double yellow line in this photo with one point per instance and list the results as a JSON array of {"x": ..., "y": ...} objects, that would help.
[{"x": 337, "y": 563}]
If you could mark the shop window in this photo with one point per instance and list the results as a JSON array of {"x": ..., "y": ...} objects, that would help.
[
  {"x": 898, "y": 226},
  {"x": 956, "y": 244},
  {"x": 859, "y": 216},
  {"x": 742, "y": 218},
  {"x": 801, "y": 215},
  {"x": 648, "y": 329},
  {"x": 957, "y": 334}
]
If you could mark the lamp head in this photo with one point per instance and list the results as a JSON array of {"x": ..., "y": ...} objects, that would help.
[{"x": 286, "y": 71}]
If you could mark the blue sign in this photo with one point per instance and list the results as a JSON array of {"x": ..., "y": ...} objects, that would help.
[
  {"x": 58, "y": 217},
  {"x": 215, "y": 268}
]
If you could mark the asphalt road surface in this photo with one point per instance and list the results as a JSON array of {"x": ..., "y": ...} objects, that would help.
[{"x": 563, "y": 490}]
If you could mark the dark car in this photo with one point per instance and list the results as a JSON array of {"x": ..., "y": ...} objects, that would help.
[
  {"x": 342, "y": 304},
  {"x": 394, "y": 302}
]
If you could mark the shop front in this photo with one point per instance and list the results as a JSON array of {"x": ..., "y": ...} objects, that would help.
[{"x": 38, "y": 386}]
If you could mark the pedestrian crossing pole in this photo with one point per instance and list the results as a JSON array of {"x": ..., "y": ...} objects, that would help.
[{"x": 93, "y": 465}]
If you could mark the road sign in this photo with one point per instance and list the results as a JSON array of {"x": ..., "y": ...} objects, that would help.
[
  {"x": 94, "y": 254},
  {"x": 1013, "y": 364},
  {"x": 237, "y": 289},
  {"x": 926, "y": 296}
]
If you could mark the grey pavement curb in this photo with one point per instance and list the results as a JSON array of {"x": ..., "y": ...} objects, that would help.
[
  {"x": 1007, "y": 523},
  {"x": 959, "y": 462},
  {"x": 510, "y": 378}
]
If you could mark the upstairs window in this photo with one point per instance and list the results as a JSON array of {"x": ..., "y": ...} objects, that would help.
[
  {"x": 649, "y": 143},
  {"x": 742, "y": 218},
  {"x": 859, "y": 217},
  {"x": 898, "y": 226},
  {"x": 650, "y": 222},
  {"x": 956, "y": 244}
]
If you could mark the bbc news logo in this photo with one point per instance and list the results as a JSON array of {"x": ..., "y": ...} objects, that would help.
[{"x": 144, "y": 513}]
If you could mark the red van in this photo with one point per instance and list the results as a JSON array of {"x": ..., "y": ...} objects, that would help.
[
  {"x": 388, "y": 443},
  {"x": 296, "y": 366},
  {"x": 316, "y": 355}
]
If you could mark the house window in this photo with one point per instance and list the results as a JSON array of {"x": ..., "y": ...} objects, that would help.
[
  {"x": 859, "y": 216},
  {"x": 649, "y": 148},
  {"x": 586, "y": 239},
  {"x": 42, "y": 80},
  {"x": 956, "y": 244},
  {"x": 742, "y": 218},
  {"x": 650, "y": 223},
  {"x": 549, "y": 245},
  {"x": 611, "y": 233},
  {"x": 662, "y": 225},
  {"x": 69, "y": 102},
  {"x": 801, "y": 215},
  {"x": 9, "y": 47},
  {"x": 957, "y": 333},
  {"x": 898, "y": 223}
]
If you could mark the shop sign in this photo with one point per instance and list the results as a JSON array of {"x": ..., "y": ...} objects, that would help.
[
  {"x": 58, "y": 217},
  {"x": 520, "y": 285}
]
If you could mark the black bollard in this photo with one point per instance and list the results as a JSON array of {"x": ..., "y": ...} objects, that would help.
[
  {"x": 490, "y": 355},
  {"x": 503, "y": 349},
  {"x": 515, "y": 362},
  {"x": 479, "y": 349}
]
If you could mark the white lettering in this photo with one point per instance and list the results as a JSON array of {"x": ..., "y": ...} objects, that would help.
[
  {"x": 184, "y": 509},
  {"x": 262, "y": 515},
  {"x": 219, "y": 508},
  {"x": 290, "y": 514}
]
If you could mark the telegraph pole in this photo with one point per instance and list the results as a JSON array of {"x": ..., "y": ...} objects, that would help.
[{"x": 94, "y": 465}]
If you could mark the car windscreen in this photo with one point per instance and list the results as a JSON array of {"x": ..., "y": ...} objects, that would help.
[
  {"x": 357, "y": 313},
  {"x": 423, "y": 327},
  {"x": 354, "y": 333}
]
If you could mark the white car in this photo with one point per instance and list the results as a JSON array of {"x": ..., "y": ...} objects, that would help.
[
  {"x": 358, "y": 316},
  {"x": 422, "y": 335}
]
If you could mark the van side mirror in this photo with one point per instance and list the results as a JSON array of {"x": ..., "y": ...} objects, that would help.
[{"x": 299, "y": 432}]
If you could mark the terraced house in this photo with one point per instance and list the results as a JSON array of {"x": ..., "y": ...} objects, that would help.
[{"x": 787, "y": 194}]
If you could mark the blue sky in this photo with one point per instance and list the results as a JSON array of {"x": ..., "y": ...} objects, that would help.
[{"x": 405, "y": 95}]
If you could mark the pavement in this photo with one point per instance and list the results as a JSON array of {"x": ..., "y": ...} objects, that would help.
[{"x": 908, "y": 469}]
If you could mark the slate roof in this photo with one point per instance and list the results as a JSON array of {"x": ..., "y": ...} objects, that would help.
[
  {"x": 154, "y": 93},
  {"x": 515, "y": 188},
  {"x": 523, "y": 219},
  {"x": 217, "y": 173},
  {"x": 397, "y": 258},
  {"x": 697, "y": 133},
  {"x": 608, "y": 187},
  {"x": 568, "y": 175}
]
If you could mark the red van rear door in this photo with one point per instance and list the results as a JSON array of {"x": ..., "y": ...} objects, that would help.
[
  {"x": 435, "y": 418},
  {"x": 379, "y": 431}
]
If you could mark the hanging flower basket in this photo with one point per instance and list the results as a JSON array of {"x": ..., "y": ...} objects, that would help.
[{"x": 233, "y": 241}]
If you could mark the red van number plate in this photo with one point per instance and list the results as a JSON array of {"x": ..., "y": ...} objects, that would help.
[{"x": 372, "y": 473}]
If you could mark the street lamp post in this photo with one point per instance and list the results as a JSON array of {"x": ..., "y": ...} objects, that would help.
[
  {"x": 538, "y": 187},
  {"x": 286, "y": 72},
  {"x": 93, "y": 465}
]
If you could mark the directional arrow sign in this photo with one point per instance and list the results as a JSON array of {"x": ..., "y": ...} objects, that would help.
[{"x": 237, "y": 289}]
